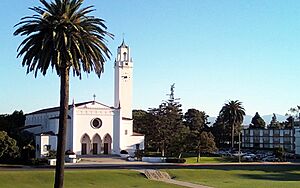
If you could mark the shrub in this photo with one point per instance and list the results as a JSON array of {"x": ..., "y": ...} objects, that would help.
[
  {"x": 69, "y": 152},
  {"x": 152, "y": 154},
  {"x": 175, "y": 160},
  {"x": 123, "y": 152},
  {"x": 139, "y": 154}
]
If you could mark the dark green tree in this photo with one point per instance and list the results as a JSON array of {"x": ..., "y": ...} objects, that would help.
[
  {"x": 233, "y": 114},
  {"x": 289, "y": 123},
  {"x": 63, "y": 36},
  {"x": 14, "y": 124},
  {"x": 207, "y": 142},
  {"x": 274, "y": 124},
  {"x": 8, "y": 147},
  {"x": 168, "y": 131},
  {"x": 140, "y": 121},
  {"x": 257, "y": 122},
  {"x": 222, "y": 132},
  {"x": 197, "y": 123}
]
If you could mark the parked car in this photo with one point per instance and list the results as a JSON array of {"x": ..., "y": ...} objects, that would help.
[
  {"x": 249, "y": 157},
  {"x": 271, "y": 159}
]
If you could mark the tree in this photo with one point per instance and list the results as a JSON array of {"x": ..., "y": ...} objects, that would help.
[
  {"x": 257, "y": 122},
  {"x": 197, "y": 122},
  {"x": 62, "y": 35},
  {"x": 293, "y": 114},
  {"x": 221, "y": 131},
  {"x": 207, "y": 142},
  {"x": 167, "y": 129},
  {"x": 140, "y": 121},
  {"x": 274, "y": 124},
  {"x": 13, "y": 124},
  {"x": 8, "y": 147},
  {"x": 233, "y": 113}
]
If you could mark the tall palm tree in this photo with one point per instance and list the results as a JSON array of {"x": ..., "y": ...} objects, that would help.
[
  {"x": 233, "y": 113},
  {"x": 62, "y": 35}
]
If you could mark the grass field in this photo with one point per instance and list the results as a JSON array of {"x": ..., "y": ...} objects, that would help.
[
  {"x": 79, "y": 179},
  {"x": 192, "y": 160},
  {"x": 241, "y": 177}
]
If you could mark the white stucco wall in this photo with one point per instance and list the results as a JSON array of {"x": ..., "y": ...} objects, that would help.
[{"x": 82, "y": 125}]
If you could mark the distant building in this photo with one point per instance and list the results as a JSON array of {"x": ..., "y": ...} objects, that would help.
[
  {"x": 268, "y": 138},
  {"x": 289, "y": 139},
  {"x": 93, "y": 128}
]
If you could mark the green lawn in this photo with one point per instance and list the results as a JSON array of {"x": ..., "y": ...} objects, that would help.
[
  {"x": 241, "y": 177},
  {"x": 192, "y": 160},
  {"x": 78, "y": 179}
]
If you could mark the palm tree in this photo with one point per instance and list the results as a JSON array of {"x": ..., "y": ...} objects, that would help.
[
  {"x": 233, "y": 113},
  {"x": 62, "y": 35}
]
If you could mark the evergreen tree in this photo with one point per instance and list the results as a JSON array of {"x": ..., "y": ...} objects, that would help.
[
  {"x": 168, "y": 131},
  {"x": 257, "y": 122},
  {"x": 274, "y": 124},
  {"x": 222, "y": 132}
]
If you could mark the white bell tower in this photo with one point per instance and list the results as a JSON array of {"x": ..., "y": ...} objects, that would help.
[{"x": 123, "y": 81}]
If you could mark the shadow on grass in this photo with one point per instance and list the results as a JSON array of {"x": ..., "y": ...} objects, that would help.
[{"x": 286, "y": 176}]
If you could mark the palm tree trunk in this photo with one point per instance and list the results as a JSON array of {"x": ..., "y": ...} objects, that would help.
[
  {"x": 232, "y": 136},
  {"x": 62, "y": 132}
]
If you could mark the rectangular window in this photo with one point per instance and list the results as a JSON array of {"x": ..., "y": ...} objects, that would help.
[{"x": 126, "y": 132}]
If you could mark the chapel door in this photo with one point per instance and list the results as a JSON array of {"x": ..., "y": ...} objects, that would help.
[
  {"x": 83, "y": 149},
  {"x": 95, "y": 148},
  {"x": 105, "y": 148}
]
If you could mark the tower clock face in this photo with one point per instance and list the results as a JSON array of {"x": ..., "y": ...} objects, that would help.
[{"x": 96, "y": 123}]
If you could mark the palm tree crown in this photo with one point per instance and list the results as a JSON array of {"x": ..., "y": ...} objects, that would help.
[
  {"x": 62, "y": 35},
  {"x": 233, "y": 114}
]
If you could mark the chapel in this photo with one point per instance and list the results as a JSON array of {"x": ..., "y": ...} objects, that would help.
[{"x": 93, "y": 127}]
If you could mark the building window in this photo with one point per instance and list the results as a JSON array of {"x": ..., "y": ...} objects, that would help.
[
  {"x": 256, "y": 132},
  {"x": 126, "y": 132},
  {"x": 96, "y": 123}
]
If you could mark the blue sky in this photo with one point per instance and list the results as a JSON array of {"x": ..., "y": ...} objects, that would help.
[{"x": 214, "y": 51}]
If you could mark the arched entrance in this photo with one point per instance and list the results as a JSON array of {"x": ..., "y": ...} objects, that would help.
[
  {"x": 107, "y": 144},
  {"x": 85, "y": 144},
  {"x": 96, "y": 144}
]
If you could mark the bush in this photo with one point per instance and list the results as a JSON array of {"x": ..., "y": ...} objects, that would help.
[
  {"x": 152, "y": 154},
  {"x": 139, "y": 154},
  {"x": 175, "y": 160},
  {"x": 69, "y": 152},
  {"x": 51, "y": 154},
  {"x": 123, "y": 152},
  {"x": 39, "y": 161}
]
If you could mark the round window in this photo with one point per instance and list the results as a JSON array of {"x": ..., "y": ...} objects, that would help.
[{"x": 96, "y": 123}]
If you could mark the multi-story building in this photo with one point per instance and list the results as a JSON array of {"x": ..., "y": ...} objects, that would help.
[{"x": 270, "y": 138}]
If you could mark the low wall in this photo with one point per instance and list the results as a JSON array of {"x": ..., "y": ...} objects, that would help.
[{"x": 154, "y": 159}]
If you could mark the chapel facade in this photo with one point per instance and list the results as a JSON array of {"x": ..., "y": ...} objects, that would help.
[{"x": 93, "y": 128}]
